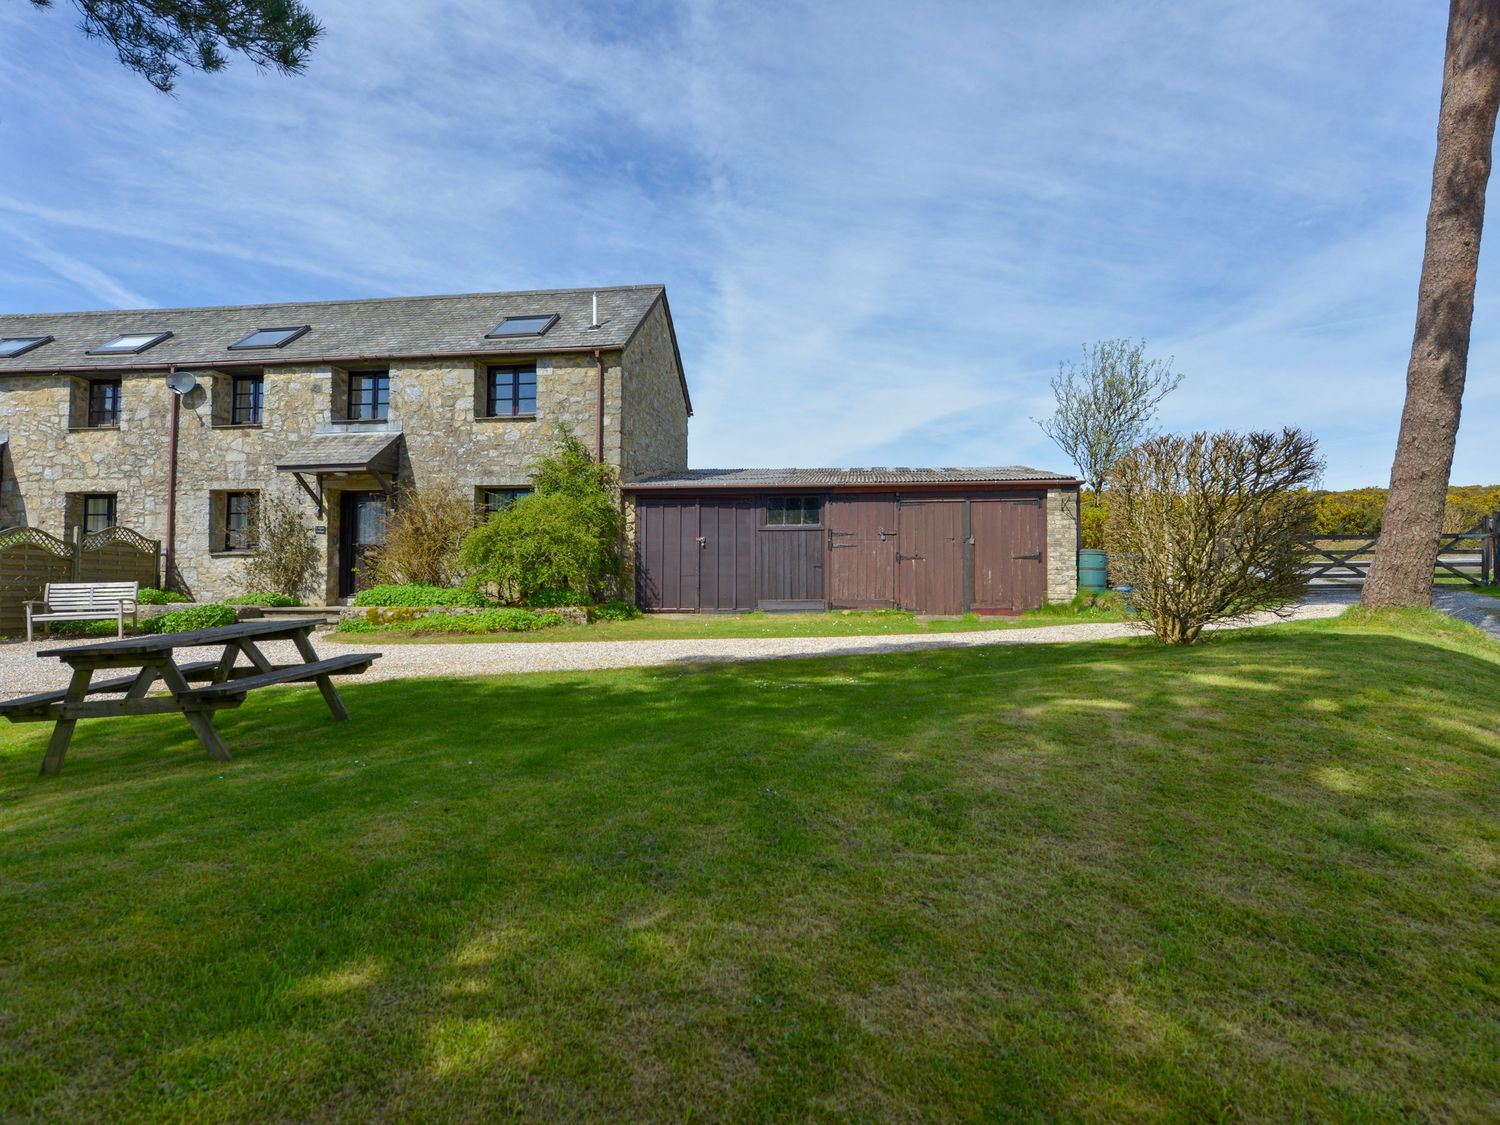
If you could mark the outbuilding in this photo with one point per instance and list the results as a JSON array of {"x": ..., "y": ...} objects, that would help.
[{"x": 938, "y": 541}]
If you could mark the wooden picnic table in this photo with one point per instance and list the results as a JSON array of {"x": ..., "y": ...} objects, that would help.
[{"x": 153, "y": 658}]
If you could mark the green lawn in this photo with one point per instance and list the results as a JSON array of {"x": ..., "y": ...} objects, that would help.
[
  {"x": 1255, "y": 880},
  {"x": 839, "y": 623}
]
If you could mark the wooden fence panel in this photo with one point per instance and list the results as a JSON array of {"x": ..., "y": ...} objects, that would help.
[
  {"x": 118, "y": 554},
  {"x": 29, "y": 559}
]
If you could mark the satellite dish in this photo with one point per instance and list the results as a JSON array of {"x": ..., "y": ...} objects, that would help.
[{"x": 181, "y": 382}]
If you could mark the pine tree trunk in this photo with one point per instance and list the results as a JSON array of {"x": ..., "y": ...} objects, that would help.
[{"x": 1401, "y": 573}]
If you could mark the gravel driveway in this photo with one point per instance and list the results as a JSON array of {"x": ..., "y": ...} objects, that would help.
[{"x": 21, "y": 673}]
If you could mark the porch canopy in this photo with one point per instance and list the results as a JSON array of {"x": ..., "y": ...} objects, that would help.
[{"x": 373, "y": 454}]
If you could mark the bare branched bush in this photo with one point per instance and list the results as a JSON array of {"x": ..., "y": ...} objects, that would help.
[
  {"x": 423, "y": 534},
  {"x": 1209, "y": 527},
  {"x": 286, "y": 554}
]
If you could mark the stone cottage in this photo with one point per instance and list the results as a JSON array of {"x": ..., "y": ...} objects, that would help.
[{"x": 179, "y": 422}]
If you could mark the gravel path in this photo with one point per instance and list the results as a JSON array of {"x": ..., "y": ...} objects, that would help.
[
  {"x": 1477, "y": 609},
  {"x": 21, "y": 673}
]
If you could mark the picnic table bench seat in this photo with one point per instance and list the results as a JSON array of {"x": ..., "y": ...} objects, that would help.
[
  {"x": 238, "y": 684},
  {"x": 198, "y": 670},
  {"x": 85, "y": 601}
]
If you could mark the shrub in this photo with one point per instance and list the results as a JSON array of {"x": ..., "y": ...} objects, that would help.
[
  {"x": 548, "y": 599},
  {"x": 419, "y": 596},
  {"x": 194, "y": 617},
  {"x": 1211, "y": 526},
  {"x": 490, "y": 621},
  {"x": 271, "y": 601},
  {"x": 566, "y": 535},
  {"x": 286, "y": 558},
  {"x": 150, "y": 595},
  {"x": 423, "y": 535},
  {"x": 86, "y": 628},
  {"x": 615, "y": 611}
]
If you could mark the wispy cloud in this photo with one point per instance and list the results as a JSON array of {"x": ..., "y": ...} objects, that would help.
[{"x": 881, "y": 229}]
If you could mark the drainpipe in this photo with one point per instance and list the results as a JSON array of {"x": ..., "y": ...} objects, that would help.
[
  {"x": 171, "y": 552},
  {"x": 599, "y": 409}
]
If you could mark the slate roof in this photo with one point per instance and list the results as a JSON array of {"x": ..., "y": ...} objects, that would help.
[
  {"x": 377, "y": 328},
  {"x": 834, "y": 478},
  {"x": 357, "y": 452}
]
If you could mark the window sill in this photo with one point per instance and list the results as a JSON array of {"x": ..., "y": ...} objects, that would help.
[
  {"x": 232, "y": 554},
  {"x": 94, "y": 429},
  {"x": 237, "y": 425},
  {"x": 358, "y": 421},
  {"x": 505, "y": 417}
]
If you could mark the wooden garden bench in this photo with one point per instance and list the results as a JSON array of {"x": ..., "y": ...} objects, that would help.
[{"x": 86, "y": 601}]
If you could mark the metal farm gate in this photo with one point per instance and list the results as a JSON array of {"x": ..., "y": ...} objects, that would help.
[{"x": 1464, "y": 557}]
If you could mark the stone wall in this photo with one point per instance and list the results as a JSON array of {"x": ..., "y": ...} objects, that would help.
[
  {"x": 654, "y": 423},
  {"x": 436, "y": 404},
  {"x": 1062, "y": 544}
]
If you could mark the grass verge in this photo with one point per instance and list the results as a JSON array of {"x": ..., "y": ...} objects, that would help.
[
  {"x": 1257, "y": 879},
  {"x": 845, "y": 623}
]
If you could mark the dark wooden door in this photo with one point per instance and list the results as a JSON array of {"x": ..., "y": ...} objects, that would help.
[
  {"x": 930, "y": 558},
  {"x": 862, "y": 541},
  {"x": 1009, "y": 557},
  {"x": 726, "y": 543},
  {"x": 361, "y": 531},
  {"x": 667, "y": 554},
  {"x": 789, "y": 568}
]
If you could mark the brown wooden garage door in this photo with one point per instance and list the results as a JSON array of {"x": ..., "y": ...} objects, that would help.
[
  {"x": 1009, "y": 561},
  {"x": 861, "y": 551},
  {"x": 693, "y": 555},
  {"x": 930, "y": 558},
  {"x": 789, "y": 568},
  {"x": 936, "y": 554}
]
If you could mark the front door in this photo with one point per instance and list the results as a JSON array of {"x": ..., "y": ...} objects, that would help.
[{"x": 361, "y": 531}]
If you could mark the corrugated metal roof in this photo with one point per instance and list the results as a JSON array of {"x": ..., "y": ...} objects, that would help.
[
  {"x": 833, "y": 478},
  {"x": 357, "y": 452},
  {"x": 352, "y": 330}
]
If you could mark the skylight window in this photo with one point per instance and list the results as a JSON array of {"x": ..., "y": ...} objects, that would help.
[
  {"x": 20, "y": 345},
  {"x": 132, "y": 343},
  {"x": 270, "y": 337},
  {"x": 531, "y": 325}
]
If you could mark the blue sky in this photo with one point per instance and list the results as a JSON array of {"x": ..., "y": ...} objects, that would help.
[{"x": 881, "y": 225}]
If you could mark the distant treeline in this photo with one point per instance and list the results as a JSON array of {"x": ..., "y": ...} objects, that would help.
[{"x": 1355, "y": 511}]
